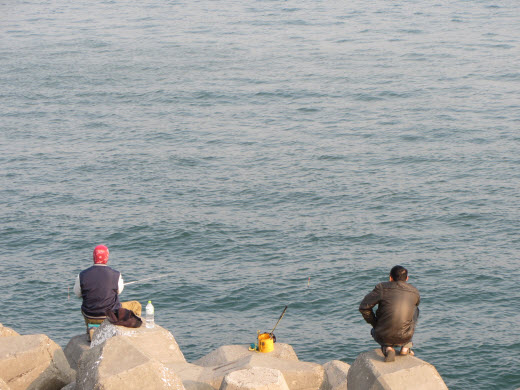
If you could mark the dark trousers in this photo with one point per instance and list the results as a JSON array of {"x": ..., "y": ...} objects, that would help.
[{"x": 409, "y": 344}]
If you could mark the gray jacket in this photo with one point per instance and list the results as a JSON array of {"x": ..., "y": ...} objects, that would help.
[{"x": 397, "y": 312}]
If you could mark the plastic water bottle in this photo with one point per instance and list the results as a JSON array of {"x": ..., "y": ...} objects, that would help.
[{"x": 150, "y": 322}]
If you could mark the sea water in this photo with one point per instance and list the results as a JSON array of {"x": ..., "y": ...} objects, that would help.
[{"x": 246, "y": 146}]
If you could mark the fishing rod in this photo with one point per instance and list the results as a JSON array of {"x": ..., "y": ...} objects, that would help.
[
  {"x": 279, "y": 319},
  {"x": 150, "y": 278},
  {"x": 266, "y": 340},
  {"x": 133, "y": 282}
]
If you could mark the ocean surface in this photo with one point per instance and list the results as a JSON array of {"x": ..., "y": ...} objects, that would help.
[{"x": 239, "y": 148}]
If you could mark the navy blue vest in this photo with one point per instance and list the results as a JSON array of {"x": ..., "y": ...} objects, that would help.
[{"x": 99, "y": 286}]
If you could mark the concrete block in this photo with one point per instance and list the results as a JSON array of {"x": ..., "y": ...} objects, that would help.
[
  {"x": 256, "y": 378},
  {"x": 33, "y": 362},
  {"x": 193, "y": 377},
  {"x": 157, "y": 343},
  {"x": 336, "y": 373},
  {"x": 6, "y": 332},
  {"x": 75, "y": 349},
  {"x": 117, "y": 364},
  {"x": 231, "y": 353},
  {"x": 370, "y": 372},
  {"x": 3, "y": 385},
  {"x": 298, "y": 375},
  {"x": 106, "y": 330}
]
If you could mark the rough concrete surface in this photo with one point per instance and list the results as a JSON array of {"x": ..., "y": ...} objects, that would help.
[
  {"x": 117, "y": 364},
  {"x": 157, "y": 343},
  {"x": 231, "y": 353},
  {"x": 336, "y": 373},
  {"x": 106, "y": 330},
  {"x": 370, "y": 372},
  {"x": 3, "y": 385},
  {"x": 193, "y": 377},
  {"x": 143, "y": 358},
  {"x": 33, "y": 362},
  {"x": 6, "y": 332},
  {"x": 256, "y": 378},
  {"x": 298, "y": 375},
  {"x": 75, "y": 349}
]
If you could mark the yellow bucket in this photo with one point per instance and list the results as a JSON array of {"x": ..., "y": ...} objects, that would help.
[{"x": 265, "y": 342}]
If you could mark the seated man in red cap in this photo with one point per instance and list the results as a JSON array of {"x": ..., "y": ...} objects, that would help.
[{"x": 100, "y": 286}]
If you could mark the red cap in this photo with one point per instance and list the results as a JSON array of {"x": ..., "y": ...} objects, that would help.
[{"x": 100, "y": 254}]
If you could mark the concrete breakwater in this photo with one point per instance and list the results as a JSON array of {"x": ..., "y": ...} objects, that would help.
[{"x": 143, "y": 358}]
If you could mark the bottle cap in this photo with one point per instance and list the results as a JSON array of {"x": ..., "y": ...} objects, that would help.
[{"x": 149, "y": 301}]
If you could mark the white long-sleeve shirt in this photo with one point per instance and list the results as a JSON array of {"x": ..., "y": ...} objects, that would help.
[{"x": 77, "y": 284}]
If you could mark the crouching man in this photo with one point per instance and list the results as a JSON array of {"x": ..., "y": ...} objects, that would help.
[{"x": 393, "y": 323}]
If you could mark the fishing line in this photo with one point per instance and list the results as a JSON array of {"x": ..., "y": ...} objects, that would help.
[
  {"x": 150, "y": 278},
  {"x": 132, "y": 282}
]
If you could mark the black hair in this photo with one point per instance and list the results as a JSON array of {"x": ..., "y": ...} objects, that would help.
[{"x": 399, "y": 273}]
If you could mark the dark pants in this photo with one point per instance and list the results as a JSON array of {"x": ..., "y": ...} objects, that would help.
[{"x": 409, "y": 344}]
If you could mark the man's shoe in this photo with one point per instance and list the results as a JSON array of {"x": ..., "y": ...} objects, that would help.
[{"x": 389, "y": 355}]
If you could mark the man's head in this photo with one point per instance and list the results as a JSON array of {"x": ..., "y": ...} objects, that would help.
[
  {"x": 100, "y": 254},
  {"x": 398, "y": 273}
]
